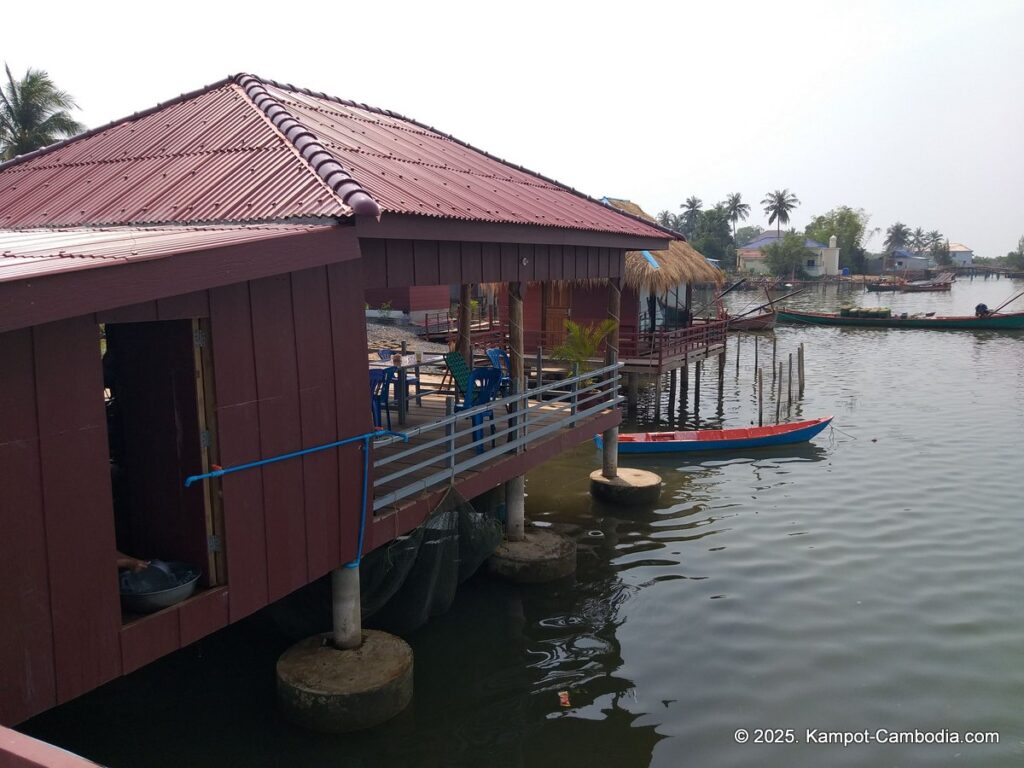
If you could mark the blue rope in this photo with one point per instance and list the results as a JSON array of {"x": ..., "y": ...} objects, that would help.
[{"x": 364, "y": 438}]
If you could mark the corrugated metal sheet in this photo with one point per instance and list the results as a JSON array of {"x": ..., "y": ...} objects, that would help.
[
  {"x": 215, "y": 157},
  {"x": 409, "y": 168},
  {"x": 26, "y": 254}
]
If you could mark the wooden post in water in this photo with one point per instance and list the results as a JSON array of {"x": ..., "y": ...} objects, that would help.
[
  {"x": 721, "y": 374},
  {"x": 696, "y": 388},
  {"x": 657, "y": 397},
  {"x": 672, "y": 393},
  {"x": 789, "y": 395},
  {"x": 800, "y": 369},
  {"x": 756, "y": 345},
  {"x": 738, "y": 355},
  {"x": 760, "y": 397},
  {"x": 774, "y": 342},
  {"x": 778, "y": 396},
  {"x": 684, "y": 395}
]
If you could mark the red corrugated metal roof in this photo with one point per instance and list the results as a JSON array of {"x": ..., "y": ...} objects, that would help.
[
  {"x": 229, "y": 154},
  {"x": 212, "y": 157},
  {"x": 29, "y": 253}
]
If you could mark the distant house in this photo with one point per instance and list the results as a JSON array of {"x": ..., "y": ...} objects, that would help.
[
  {"x": 825, "y": 260},
  {"x": 905, "y": 260},
  {"x": 961, "y": 255}
]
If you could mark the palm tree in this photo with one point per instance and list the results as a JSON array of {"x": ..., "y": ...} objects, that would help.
[
  {"x": 777, "y": 206},
  {"x": 932, "y": 238},
  {"x": 670, "y": 220},
  {"x": 917, "y": 240},
  {"x": 736, "y": 210},
  {"x": 33, "y": 113},
  {"x": 691, "y": 214},
  {"x": 897, "y": 236}
]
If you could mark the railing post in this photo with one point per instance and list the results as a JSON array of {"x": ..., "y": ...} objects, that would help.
[
  {"x": 449, "y": 432},
  {"x": 540, "y": 366}
]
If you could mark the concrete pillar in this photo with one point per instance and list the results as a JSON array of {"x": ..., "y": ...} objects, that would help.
[
  {"x": 610, "y": 438},
  {"x": 346, "y": 608},
  {"x": 349, "y": 679},
  {"x": 515, "y": 508},
  {"x": 465, "y": 342}
]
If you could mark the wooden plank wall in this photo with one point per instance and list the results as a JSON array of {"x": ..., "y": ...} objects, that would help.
[
  {"x": 287, "y": 354},
  {"x": 59, "y": 598},
  {"x": 284, "y": 349},
  {"x": 399, "y": 263}
]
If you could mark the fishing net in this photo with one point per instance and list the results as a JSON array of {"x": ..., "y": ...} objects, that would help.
[{"x": 410, "y": 580}]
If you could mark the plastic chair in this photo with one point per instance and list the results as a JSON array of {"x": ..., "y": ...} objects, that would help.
[
  {"x": 380, "y": 383},
  {"x": 499, "y": 359},
  {"x": 411, "y": 379},
  {"x": 459, "y": 372},
  {"x": 483, "y": 387}
]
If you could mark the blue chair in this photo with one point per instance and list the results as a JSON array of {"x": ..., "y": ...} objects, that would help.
[
  {"x": 499, "y": 359},
  {"x": 411, "y": 379},
  {"x": 483, "y": 388},
  {"x": 380, "y": 383}
]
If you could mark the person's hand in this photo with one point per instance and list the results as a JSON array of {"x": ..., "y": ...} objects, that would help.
[{"x": 132, "y": 564}]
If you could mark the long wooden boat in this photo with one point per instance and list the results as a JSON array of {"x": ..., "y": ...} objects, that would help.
[
  {"x": 996, "y": 322},
  {"x": 925, "y": 287},
  {"x": 719, "y": 439},
  {"x": 762, "y": 322}
]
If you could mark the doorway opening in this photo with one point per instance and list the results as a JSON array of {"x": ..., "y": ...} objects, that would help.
[{"x": 159, "y": 394}]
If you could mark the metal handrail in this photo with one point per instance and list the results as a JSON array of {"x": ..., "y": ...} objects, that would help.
[{"x": 515, "y": 427}]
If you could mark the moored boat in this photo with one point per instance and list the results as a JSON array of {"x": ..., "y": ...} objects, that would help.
[
  {"x": 719, "y": 439},
  {"x": 762, "y": 322},
  {"x": 992, "y": 321},
  {"x": 925, "y": 287}
]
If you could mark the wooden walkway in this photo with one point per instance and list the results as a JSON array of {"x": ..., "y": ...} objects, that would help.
[{"x": 550, "y": 430}]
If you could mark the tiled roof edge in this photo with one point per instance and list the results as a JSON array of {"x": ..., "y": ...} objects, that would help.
[
  {"x": 309, "y": 147},
  {"x": 467, "y": 145},
  {"x": 18, "y": 160}
]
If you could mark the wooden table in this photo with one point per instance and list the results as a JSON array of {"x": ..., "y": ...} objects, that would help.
[{"x": 408, "y": 361}]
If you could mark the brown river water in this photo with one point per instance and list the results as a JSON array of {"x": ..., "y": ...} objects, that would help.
[{"x": 872, "y": 581}]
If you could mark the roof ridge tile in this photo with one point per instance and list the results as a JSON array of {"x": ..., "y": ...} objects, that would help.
[{"x": 326, "y": 166}]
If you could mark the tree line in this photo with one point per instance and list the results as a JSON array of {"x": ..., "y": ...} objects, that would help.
[{"x": 708, "y": 230}]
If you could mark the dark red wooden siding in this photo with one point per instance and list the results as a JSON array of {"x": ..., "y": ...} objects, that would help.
[
  {"x": 287, "y": 353},
  {"x": 400, "y": 263},
  {"x": 59, "y": 600},
  {"x": 413, "y": 298},
  {"x": 289, "y": 383}
]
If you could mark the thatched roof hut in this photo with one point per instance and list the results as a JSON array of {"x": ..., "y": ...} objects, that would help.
[{"x": 679, "y": 263}]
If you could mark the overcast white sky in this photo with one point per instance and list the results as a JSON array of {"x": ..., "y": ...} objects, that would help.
[{"x": 911, "y": 110}]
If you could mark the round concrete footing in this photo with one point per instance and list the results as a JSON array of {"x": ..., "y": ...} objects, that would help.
[
  {"x": 631, "y": 487},
  {"x": 325, "y": 689},
  {"x": 542, "y": 556}
]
